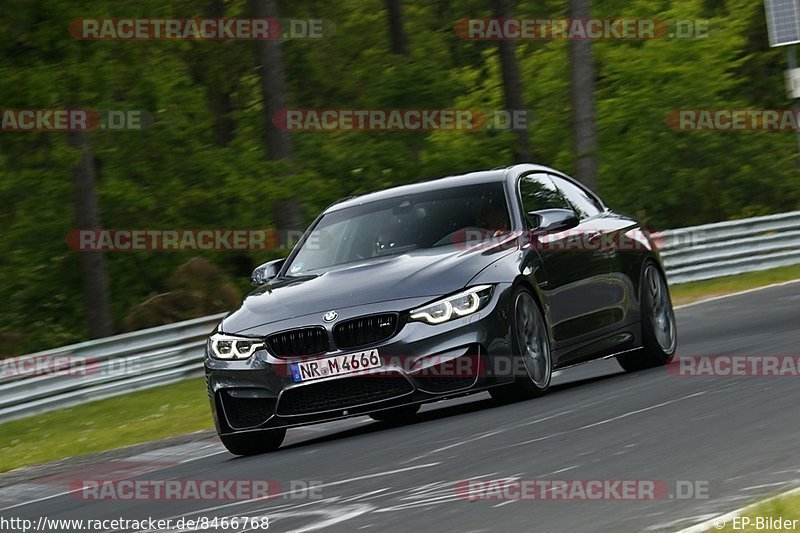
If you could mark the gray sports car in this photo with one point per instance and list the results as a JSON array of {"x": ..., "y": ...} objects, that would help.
[{"x": 486, "y": 281}]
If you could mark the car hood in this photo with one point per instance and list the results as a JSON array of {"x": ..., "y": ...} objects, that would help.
[{"x": 426, "y": 273}]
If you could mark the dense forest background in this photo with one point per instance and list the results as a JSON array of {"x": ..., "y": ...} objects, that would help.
[{"x": 210, "y": 159}]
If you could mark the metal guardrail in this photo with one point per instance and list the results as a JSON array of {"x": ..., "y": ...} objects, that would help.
[
  {"x": 734, "y": 247},
  {"x": 158, "y": 356},
  {"x": 102, "y": 368}
]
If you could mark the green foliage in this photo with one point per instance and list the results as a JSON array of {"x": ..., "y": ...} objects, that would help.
[
  {"x": 197, "y": 287},
  {"x": 673, "y": 178},
  {"x": 203, "y": 162}
]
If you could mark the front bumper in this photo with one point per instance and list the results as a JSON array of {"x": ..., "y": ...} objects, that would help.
[{"x": 420, "y": 363}]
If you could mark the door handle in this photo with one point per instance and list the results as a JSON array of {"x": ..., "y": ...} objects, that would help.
[{"x": 596, "y": 242}]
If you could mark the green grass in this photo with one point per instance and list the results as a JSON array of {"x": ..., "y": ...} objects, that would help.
[
  {"x": 106, "y": 424},
  {"x": 183, "y": 408},
  {"x": 786, "y": 508},
  {"x": 689, "y": 292}
]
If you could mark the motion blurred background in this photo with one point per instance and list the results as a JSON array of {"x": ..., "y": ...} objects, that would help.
[{"x": 212, "y": 158}]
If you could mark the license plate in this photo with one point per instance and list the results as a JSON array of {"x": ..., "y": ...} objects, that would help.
[{"x": 335, "y": 366}]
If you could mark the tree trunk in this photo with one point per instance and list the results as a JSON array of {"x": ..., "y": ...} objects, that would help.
[
  {"x": 512, "y": 84},
  {"x": 289, "y": 220},
  {"x": 224, "y": 124},
  {"x": 219, "y": 95},
  {"x": 96, "y": 294},
  {"x": 397, "y": 35},
  {"x": 584, "y": 113},
  {"x": 273, "y": 91},
  {"x": 273, "y": 85}
]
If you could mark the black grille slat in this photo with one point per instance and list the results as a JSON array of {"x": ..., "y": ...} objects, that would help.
[
  {"x": 365, "y": 330},
  {"x": 445, "y": 383},
  {"x": 299, "y": 342},
  {"x": 340, "y": 394},
  {"x": 243, "y": 413}
]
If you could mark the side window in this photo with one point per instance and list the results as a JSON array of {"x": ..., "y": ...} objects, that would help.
[
  {"x": 585, "y": 206},
  {"x": 537, "y": 192}
]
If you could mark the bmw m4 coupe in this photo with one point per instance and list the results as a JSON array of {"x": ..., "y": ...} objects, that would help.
[{"x": 486, "y": 281}]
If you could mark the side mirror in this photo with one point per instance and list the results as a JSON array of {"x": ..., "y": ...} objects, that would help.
[
  {"x": 553, "y": 220},
  {"x": 267, "y": 271}
]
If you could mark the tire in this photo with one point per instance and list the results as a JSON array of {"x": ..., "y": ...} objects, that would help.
[
  {"x": 405, "y": 413},
  {"x": 531, "y": 343},
  {"x": 253, "y": 443},
  {"x": 659, "y": 330}
]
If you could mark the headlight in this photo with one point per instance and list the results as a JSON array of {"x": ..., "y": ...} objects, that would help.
[
  {"x": 462, "y": 304},
  {"x": 228, "y": 347}
]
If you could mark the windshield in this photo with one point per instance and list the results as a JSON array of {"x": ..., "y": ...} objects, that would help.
[{"x": 403, "y": 224}]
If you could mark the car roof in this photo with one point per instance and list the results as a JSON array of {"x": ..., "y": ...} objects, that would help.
[{"x": 472, "y": 178}]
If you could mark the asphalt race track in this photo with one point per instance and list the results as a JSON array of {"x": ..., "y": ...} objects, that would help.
[{"x": 737, "y": 436}]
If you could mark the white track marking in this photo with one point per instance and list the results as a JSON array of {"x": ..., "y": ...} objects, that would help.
[
  {"x": 606, "y": 421},
  {"x": 451, "y": 446},
  {"x": 65, "y": 493},
  {"x": 68, "y": 492},
  {"x": 274, "y": 496},
  {"x": 636, "y": 412}
]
